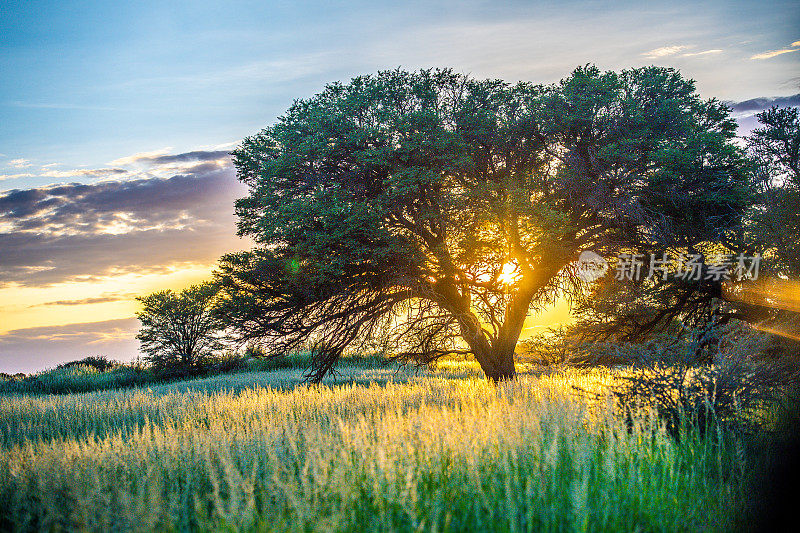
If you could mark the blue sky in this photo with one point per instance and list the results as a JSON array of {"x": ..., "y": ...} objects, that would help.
[
  {"x": 116, "y": 119},
  {"x": 86, "y": 83}
]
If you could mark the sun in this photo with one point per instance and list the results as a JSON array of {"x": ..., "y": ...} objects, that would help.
[{"x": 509, "y": 275}]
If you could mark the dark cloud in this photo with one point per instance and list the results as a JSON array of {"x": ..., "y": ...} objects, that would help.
[
  {"x": 83, "y": 231},
  {"x": 745, "y": 112},
  {"x": 760, "y": 104},
  {"x": 33, "y": 349}
]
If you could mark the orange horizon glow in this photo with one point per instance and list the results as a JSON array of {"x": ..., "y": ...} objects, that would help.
[{"x": 26, "y": 307}]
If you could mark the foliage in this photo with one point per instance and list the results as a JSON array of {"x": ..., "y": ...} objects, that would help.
[
  {"x": 78, "y": 378},
  {"x": 735, "y": 392},
  {"x": 428, "y": 212},
  {"x": 180, "y": 329},
  {"x": 81, "y": 378},
  {"x": 551, "y": 348},
  {"x": 100, "y": 363},
  {"x": 630, "y": 311},
  {"x": 775, "y": 147},
  {"x": 399, "y": 456}
]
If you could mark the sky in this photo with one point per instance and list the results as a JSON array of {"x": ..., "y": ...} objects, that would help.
[{"x": 116, "y": 119}]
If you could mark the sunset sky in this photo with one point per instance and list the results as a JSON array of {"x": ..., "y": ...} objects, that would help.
[{"x": 116, "y": 120}]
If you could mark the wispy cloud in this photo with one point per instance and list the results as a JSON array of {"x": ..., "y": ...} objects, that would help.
[
  {"x": 774, "y": 53},
  {"x": 19, "y": 163},
  {"x": 795, "y": 46},
  {"x": 84, "y": 173},
  {"x": 141, "y": 165},
  {"x": 188, "y": 157},
  {"x": 703, "y": 53},
  {"x": 140, "y": 156},
  {"x": 87, "y": 301},
  {"x": 57, "y": 105},
  {"x": 15, "y": 176},
  {"x": 47, "y": 346},
  {"x": 290, "y": 68},
  {"x": 665, "y": 51}
]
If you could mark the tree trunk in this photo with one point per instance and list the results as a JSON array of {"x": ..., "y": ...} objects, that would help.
[
  {"x": 504, "y": 369},
  {"x": 496, "y": 358},
  {"x": 496, "y": 361}
]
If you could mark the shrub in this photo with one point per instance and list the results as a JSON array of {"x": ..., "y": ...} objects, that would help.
[
  {"x": 548, "y": 349},
  {"x": 559, "y": 347},
  {"x": 225, "y": 363},
  {"x": 99, "y": 362},
  {"x": 77, "y": 378},
  {"x": 739, "y": 391}
]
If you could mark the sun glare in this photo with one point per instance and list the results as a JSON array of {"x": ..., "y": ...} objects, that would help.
[{"x": 509, "y": 275}]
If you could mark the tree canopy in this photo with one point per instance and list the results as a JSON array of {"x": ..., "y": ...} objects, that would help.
[
  {"x": 769, "y": 228},
  {"x": 431, "y": 212},
  {"x": 180, "y": 328}
]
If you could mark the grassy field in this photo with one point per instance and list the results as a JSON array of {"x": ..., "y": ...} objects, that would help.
[{"x": 376, "y": 450}]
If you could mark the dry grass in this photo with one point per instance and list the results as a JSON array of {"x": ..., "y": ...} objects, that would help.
[{"x": 394, "y": 451}]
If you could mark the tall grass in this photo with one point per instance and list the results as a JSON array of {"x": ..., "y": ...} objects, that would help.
[{"x": 402, "y": 453}]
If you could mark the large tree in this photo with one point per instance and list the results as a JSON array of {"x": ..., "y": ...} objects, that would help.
[{"x": 435, "y": 211}]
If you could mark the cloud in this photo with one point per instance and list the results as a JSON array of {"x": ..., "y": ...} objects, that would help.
[
  {"x": 84, "y": 173},
  {"x": 78, "y": 232},
  {"x": 703, "y": 53},
  {"x": 744, "y": 112},
  {"x": 20, "y": 163},
  {"x": 88, "y": 301},
  {"x": 773, "y": 53},
  {"x": 59, "y": 105},
  {"x": 665, "y": 51},
  {"x": 135, "y": 158},
  {"x": 155, "y": 164},
  {"x": 200, "y": 155},
  {"x": 755, "y": 105},
  {"x": 47, "y": 346},
  {"x": 15, "y": 176},
  {"x": 196, "y": 156}
]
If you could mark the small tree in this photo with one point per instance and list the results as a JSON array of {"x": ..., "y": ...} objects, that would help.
[
  {"x": 179, "y": 328},
  {"x": 775, "y": 149}
]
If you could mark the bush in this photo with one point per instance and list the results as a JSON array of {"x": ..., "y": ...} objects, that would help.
[
  {"x": 77, "y": 378},
  {"x": 99, "y": 362},
  {"x": 548, "y": 349},
  {"x": 558, "y": 347},
  {"x": 739, "y": 391}
]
